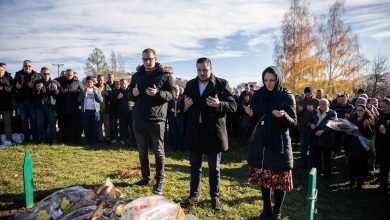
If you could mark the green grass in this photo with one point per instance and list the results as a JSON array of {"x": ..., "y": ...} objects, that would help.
[{"x": 62, "y": 166}]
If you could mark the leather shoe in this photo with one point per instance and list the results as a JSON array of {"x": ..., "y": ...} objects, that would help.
[
  {"x": 158, "y": 188},
  {"x": 190, "y": 201},
  {"x": 216, "y": 204},
  {"x": 142, "y": 182}
]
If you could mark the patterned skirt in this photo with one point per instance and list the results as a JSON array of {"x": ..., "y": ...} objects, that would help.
[{"x": 270, "y": 179}]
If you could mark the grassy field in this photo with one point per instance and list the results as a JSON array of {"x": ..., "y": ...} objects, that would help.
[{"x": 61, "y": 166}]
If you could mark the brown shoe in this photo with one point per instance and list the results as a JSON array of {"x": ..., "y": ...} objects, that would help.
[
  {"x": 216, "y": 204},
  {"x": 190, "y": 201}
]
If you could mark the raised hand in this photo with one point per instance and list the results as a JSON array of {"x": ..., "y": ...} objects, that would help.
[
  {"x": 39, "y": 86},
  {"x": 135, "y": 90},
  {"x": 213, "y": 101},
  {"x": 382, "y": 129},
  {"x": 277, "y": 113},
  {"x": 151, "y": 91},
  {"x": 248, "y": 110},
  {"x": 18, "y": 85},
  {"x": 54, "y": 87},
  {"x": 188, "y": 102}
]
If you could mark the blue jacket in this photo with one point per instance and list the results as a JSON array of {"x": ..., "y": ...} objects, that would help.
[{"x": 98, "y": 99}]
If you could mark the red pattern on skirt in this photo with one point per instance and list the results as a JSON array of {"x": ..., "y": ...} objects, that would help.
[{"x": 271, "y": 179}]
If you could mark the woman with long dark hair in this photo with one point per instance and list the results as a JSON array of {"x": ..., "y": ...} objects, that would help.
[{"x": 270, "y": 154}]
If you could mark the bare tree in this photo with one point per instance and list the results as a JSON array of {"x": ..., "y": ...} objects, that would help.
[
  {"x": 96, "y": 63},
  {"x": 121, "y": 63},
  {"x": 378, "y": 81},
  {"x": 114, "y": 67},
  {"x": 339, "y": 46},
  {"x": 295, "y": 53},
  {"x": 117, "y": 63}
]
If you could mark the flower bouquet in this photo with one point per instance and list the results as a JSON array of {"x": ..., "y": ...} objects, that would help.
[{"x": 343, "y": 125}]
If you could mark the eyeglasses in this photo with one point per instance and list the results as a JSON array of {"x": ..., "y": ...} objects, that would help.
[
  {"x": 46, "y": 74},
  {"x": 359, "y": 110},
  {"x": 148, "y": 59},
  {"x": 27, "y": 65}
]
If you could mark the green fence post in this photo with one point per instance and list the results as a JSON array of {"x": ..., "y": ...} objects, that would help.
[
  {"x": 311, "y": 193},
  {"x": 28, "y": 180}
]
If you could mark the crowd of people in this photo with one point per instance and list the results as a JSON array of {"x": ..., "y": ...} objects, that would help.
[{"x": 200, "y": 118}]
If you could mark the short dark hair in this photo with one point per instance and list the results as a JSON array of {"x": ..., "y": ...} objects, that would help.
[
  {"x": 3, "y": 64},
  {"x": 361, "y": 91},
  {"x": 44, "y": 68},
  {"x": 386, "y": 101},
  {"x": 204, "y": 60},
  {"x": 149, "y": 50}
]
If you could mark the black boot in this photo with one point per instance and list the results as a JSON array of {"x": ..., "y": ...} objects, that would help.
[
  {"x": 267, "y": 211},
  {"x": 279, "y": 198}
]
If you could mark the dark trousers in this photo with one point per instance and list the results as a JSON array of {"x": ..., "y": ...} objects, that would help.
[
  {"x": 150, "y": 133},
  {"x": 321, "y": 156},
  {"x": 304, "y": 148},
  {"x": 113, "y": 126},
  {"x": 28, "y": 119},
  {"x": 71, "y": 132},
  {"x": 214, "y": 160},
  {"x": 384, "y": 162},
  {"x": 90, "y": 119},
  {"x": 125, "y": 126},
  {"x": 46, "y": 114},
  {"x": 176, "y": 131},
  {"x": 358, "y": 169}
]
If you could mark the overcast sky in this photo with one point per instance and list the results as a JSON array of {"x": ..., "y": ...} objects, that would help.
[{"x": 238, "y": 36}]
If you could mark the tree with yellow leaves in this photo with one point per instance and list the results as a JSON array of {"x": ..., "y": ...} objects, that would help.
[
  {"x": 295, "y": 53},
  {"x": 339, "y": 47}
]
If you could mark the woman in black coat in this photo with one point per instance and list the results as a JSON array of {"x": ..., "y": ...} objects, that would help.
[
  {"x": 357, "y": 155},
  {"x": 270, "y": 154},
  {"x": 322, "y": 137}
]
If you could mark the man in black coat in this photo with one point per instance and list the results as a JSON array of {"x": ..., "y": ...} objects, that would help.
[
  {"x": 69, "y": 119},
  {"x": 45, "y": 93},
  {"x": 6, "y": 84},
  {"x": 23, "y": 84},
  {"x": 207, "y": 101},
  {"x": 383, "y": 144},
  {"x": 152, "y": 87},
  {"x": 121, "y": 99}
]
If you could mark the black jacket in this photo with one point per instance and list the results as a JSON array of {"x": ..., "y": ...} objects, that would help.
[
  {"x": 341, "y": 110},
  {"x": 270, "y": 143},
  {"x": 46, "y": 96},
  {"x": 213, "y": 136},
  {"x": 326, "y": 139},
  {"x": 23, "y": 78},
  {"x": 5, "y": 96},
  {"x": 383, "y": 140},
  {"x": 123, "y": 105},
  {"x": 353, "y": 147},
  {"x": 153, "y": 108},
  {"x": 69, "y": 92}
]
